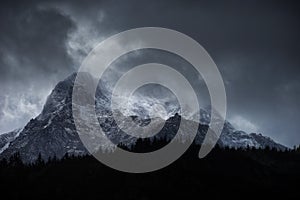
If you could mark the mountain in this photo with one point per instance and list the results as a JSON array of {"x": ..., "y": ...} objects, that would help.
[
  {"x": 53, "y": 133},
  {"x": 7, "y": 138}
]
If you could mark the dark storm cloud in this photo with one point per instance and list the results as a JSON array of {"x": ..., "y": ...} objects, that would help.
[
  {"x": 255, "y": 44},
  {"x": 33, "y": 42},
  {"x": 33, "y": 57}
]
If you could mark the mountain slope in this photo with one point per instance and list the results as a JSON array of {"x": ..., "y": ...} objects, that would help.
[
  {"x": 7, "y": 138},
  {"x": 53, "y": 132}
]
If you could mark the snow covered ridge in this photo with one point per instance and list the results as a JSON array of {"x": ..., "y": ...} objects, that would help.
[
  {"x": 7, "y": 138},
  {"x": 53, "y": 133}
]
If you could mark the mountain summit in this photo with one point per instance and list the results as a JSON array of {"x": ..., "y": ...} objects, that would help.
[{"x": 53, "y": 133}]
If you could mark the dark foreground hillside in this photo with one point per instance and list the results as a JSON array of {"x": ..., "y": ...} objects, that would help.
[{"x": 223, "y": 173}]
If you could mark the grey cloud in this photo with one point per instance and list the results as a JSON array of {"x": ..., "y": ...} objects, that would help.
[
  {"x": 33, "y": 58},
  {"x": 33, "y": 42},
  {"x": 255, "y": 44}
]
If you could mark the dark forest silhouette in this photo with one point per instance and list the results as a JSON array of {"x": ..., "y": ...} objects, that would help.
[{"x": 225, "y": 172}]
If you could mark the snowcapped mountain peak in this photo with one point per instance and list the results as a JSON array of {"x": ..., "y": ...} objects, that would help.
[{"x": 53, "y": 132}]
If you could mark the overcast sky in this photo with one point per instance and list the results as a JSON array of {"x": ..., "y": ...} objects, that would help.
[{"x": 255, "y": 44}]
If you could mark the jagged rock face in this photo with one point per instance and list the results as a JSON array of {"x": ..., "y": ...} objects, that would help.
[
  {"x": 7, "y": 138},
  {"x": 53, "y": 132},
  {"x": 264, "y": 141}
]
